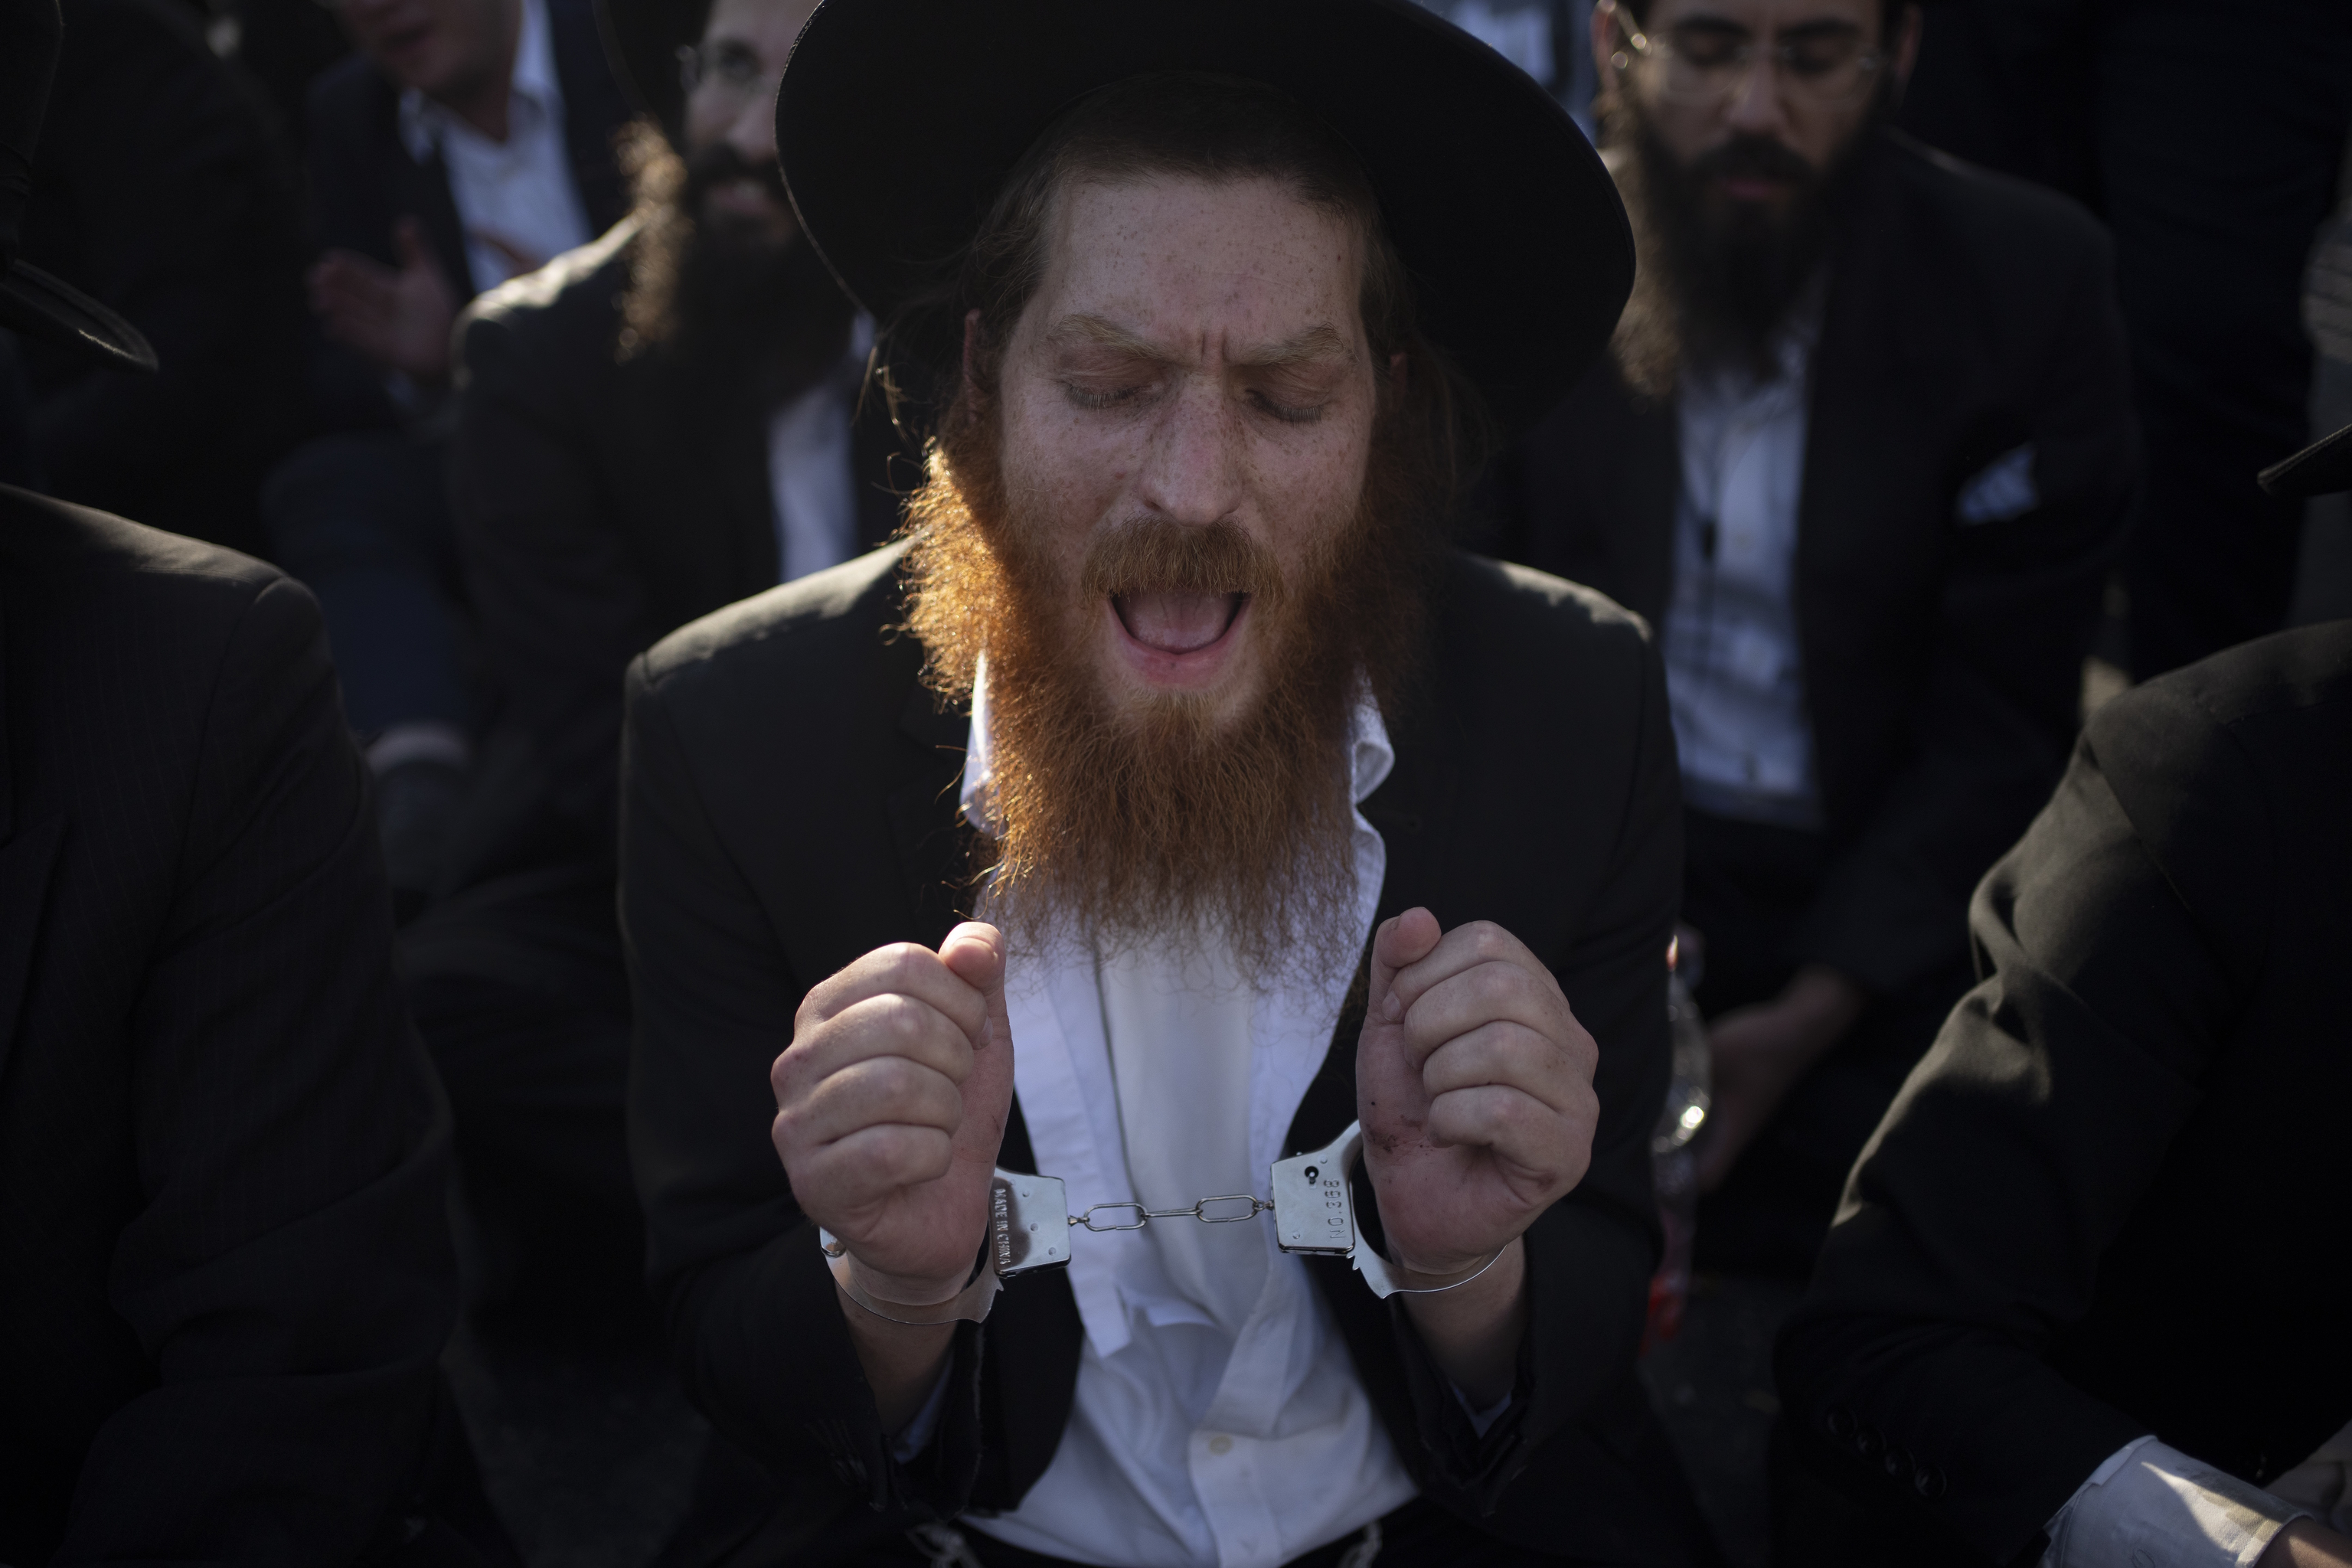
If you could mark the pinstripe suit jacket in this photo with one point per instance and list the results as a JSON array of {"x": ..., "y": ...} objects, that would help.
[{"x": 224, "y": 1278}]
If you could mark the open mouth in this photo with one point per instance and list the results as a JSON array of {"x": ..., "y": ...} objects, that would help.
[{"x": 1174, "y": 623}]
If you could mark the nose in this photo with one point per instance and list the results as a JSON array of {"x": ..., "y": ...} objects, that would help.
[
  {"x": 1192, "y": 470},
  {"x": 752, "y": 132},
  {"x": 1756, "y": 108}
]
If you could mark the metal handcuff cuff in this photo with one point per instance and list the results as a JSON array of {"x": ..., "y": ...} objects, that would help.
[{"x": 1029, "y": 1227}]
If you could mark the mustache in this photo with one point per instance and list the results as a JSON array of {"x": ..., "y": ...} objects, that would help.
[
  {"x": 1753, "y": 158},
  {"x": 1157, "y": 554},
  {"x": 722, "y": 164}
]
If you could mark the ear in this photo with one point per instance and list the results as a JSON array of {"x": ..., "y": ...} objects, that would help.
[
  {"x": 1400, "y": 372},
  {"x": 971, "y": 351},
  {"x": 1605, "y": 52},
  {"x": 1906, "y": 51}
]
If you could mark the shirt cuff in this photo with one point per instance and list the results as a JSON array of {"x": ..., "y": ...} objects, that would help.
[
  {"x": 916, "y": 1435},
  {"x": 2152, "y": 1506}
]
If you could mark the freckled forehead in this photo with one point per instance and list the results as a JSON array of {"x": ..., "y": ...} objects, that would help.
[
  {"x": 1188, "y": 257},
  {"x": 1765, "y": 16}
]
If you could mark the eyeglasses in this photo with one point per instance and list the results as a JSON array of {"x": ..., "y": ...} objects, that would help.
[
  {"x": 1830, "y": 69},
  {"x": 725, "y": 65}
]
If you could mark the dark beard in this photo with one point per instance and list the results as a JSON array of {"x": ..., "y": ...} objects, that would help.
[
  {"x": 1154, "y": 827},
  {"x": 1716, "y": 289},
  {"x": 733, "y": 319}
]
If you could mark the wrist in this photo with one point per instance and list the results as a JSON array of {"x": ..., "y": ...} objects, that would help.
[
  {"x": 907, "y": 1289},
  {"x": 1433, "y": 1272}
]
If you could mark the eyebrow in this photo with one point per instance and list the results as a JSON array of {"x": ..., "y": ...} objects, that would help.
[
  {"x": 1320, "y": 342},
  {"x": 1811, "y": 27}
]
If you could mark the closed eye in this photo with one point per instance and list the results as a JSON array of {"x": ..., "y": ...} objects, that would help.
[
  {"x": 1288, "y": 413},
  {"x": 1115, "y": 396}
]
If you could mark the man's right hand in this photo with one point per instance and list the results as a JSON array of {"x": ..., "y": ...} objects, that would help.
[
  {"x": 890, "y": 1108},
  {"x": 400, "y": 319}
]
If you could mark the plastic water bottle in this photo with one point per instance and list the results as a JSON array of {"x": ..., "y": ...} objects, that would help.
[{"x": 1673, "y": 1165}]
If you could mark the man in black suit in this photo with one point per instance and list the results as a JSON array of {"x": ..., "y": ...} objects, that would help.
[
  {"x": 2088, "y": 1290},
  {"x": 225, "y": 1277},
  {"x": 1175, "y": 650},
  {"x": 465, "y": 142},
  {"x": 1861, "y": 454},
  {"x": 658, "y": 425}
]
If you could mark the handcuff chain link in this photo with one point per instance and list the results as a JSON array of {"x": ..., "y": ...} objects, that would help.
[{"x": 1144, "y": 1216}]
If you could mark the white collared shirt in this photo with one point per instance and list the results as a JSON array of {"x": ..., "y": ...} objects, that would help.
[
  {"x": 1735, "y": 681},
  {"x": 516, "y": 198},
  {"x": 812, "y": 479},
  {"x": 1218, "y": 1419}
]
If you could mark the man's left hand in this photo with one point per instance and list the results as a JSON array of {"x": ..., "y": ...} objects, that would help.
[
  {"x": 1761, "y": 1052},
  {"x": 1474, "y": 1083}
]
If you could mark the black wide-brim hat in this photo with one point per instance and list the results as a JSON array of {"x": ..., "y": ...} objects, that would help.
[
  {"x": 44, "y": 308},
  {"x": 32, "y": 302},
  {"x": 899, "y": 121},
  {"x": 2321, "y": 468}
]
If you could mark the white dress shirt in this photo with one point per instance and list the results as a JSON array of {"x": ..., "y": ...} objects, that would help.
[
  {"x": 2152, "y": 1506},
  {"x": 812, "y": 479},
  {"x": 1735, "y": 679},
  {"x": 1218, "y": 1419},
  {"x": 515, "y": 198}
]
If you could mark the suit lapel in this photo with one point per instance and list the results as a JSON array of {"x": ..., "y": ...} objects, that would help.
[
  {"x": 592, "y": 110},
  {"x": 934, "y": 846},
  {"x": 1409, "y": 810},
  {"x": 430, "y": 200},
  {"x": 1652, "y": 480}
]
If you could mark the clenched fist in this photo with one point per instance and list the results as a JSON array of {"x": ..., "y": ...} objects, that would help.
[
  {"x": 1474, "y": 1083},
  {"x": 890, "y": 1107}
]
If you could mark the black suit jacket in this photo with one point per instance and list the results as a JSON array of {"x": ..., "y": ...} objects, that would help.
[
  {"x": 792, "y": 805},
  {"x": 160, "y": 189},
  {"x": 224, "y": 1278},
  {"x": 2109, "y": 1201},
  {"x": 1967, "y": 315},
  {"x": 596, "y": 512},
  {"x": 363, "y": 180}
]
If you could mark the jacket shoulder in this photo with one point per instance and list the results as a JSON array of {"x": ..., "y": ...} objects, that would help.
[
  {"x": 2304, "y": 675},
  {"x": 1994, "y": 216},
  {"x": 1519, "y": 612},
  {"x": 832, "y": 620},
  {"x": 40, "y": 535},
  {"x": 570, "y": 299}
]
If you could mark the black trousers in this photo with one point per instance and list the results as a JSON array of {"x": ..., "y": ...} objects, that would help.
[
  {"x": 518, "y": 992},
  {"x": 1745, "y": 886}
]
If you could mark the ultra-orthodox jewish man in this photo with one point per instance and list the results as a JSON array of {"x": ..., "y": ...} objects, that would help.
[{"x": 1262, "y": 1174}]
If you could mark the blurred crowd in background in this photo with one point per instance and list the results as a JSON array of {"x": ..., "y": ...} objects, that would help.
[{"x": 485, "y": 320}]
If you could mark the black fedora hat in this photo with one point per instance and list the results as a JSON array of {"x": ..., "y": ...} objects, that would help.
[
  {"x": 642, "y": 40},
  {"x": 2321, "y": 468},
  {"x": 31, "y": 301},
  {"x": 898, "y": 120}
]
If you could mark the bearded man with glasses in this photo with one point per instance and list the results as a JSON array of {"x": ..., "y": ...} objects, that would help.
[
  {"x": 655, "y": 425},
  {"x": 1862, "y": 451}
]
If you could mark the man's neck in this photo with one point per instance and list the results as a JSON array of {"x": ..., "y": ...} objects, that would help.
[{"x": 484, "y": 101}]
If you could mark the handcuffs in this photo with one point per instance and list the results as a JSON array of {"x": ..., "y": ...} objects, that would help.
[{"x": 1029, "y": 1227}]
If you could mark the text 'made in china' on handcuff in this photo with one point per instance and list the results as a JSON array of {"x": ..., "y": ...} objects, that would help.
[{"x": 1029, "y": 1227}]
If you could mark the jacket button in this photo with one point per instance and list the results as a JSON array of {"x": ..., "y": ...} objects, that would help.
[
  {"x": 1840, "y": 1421},
  {"x": 1866, "y": 1441},
  {"x": 1895, "y": 1462},
  {"x": 1928, "y": 1482}
]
